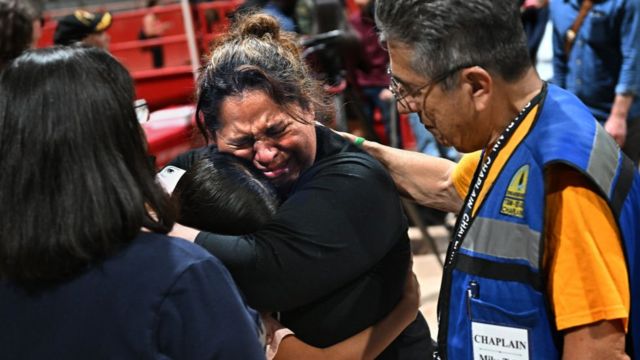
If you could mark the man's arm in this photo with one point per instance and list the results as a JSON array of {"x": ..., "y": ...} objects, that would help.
[
  {"x": 600, "y": 340},
  {"x": 629, "y": 78},
  {"x": 588, "y": 280},
  {"x": 419, "y": 177}
]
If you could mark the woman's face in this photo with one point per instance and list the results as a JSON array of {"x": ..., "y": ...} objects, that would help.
[{"x": 253, "y": 127}]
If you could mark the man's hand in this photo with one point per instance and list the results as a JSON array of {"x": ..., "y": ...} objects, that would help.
[
  {"x": 616, "y": 126},
  {"x": 600, "y": 340}
]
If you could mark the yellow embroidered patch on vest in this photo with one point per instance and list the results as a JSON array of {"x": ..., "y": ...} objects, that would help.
[{"x": 513, "y": 202}]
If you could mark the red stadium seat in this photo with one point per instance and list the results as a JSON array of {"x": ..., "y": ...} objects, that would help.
[
  {"x": 135, "y": 55},
  {"x": 165, "y": 87}
]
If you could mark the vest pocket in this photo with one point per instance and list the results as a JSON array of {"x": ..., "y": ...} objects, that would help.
[{"x": 493, "y": 314}]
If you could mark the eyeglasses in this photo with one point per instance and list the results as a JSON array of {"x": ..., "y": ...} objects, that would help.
[
  {"x": 402, "y": 96},
  {"x": 142, "y": 110}
]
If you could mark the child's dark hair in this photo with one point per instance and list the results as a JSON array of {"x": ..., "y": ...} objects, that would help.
[{"x": 224, "y": 194}]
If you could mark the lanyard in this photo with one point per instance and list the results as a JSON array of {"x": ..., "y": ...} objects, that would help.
[{"x": 465, "y": 217}]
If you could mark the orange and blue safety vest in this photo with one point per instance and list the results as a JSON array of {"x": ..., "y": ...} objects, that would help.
[{"x": 493, "y": 303}]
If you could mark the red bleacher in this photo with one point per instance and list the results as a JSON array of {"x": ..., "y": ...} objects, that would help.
[
  {"x": 174, "y": 83},
  {"x": 165, "y": 86}
]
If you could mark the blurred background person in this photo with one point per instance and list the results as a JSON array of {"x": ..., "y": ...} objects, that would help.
[
  {"x": 86, "y": 270},
  {"x": 371, "y": 76},
  {"x": 535, "y": 15},
  {"x": 84, "y": 27},
  {"x": 426, "y": 143},
  {"x": 284, "y": 11},
  {"x": 38, "y": 21},
  {"x": 153, "y": 28},
  {"x": 18, "y": 21},
  {"x": 596, "y": 56}
]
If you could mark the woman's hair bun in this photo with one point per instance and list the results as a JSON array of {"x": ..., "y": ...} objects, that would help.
[{"x": 259, "y": 25}]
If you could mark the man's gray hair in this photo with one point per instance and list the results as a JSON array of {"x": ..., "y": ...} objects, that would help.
[{"x": 445, "y": 34}]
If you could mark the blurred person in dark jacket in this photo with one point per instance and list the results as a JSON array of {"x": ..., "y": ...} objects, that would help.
[
  {"x": 17, "y": 30},
  {"x": 84, "y": 27},
  {"x": 372, "y": 79}
]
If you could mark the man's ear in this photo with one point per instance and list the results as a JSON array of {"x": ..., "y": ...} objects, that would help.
[{"x": 479, "y": 85}]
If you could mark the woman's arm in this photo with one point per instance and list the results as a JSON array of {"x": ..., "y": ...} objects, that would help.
[{"x": 367, "y": 344}]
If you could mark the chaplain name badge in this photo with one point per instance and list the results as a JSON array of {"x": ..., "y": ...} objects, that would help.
[{"x": 496, "y": 342}]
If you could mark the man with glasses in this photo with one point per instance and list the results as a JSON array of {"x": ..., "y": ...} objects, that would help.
[{"x": 542, "y": 263}]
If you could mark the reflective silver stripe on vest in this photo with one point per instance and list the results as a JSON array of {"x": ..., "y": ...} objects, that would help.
[
  {"x": 504, "y": 239},
  {"x": 604, "y": 159}
]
